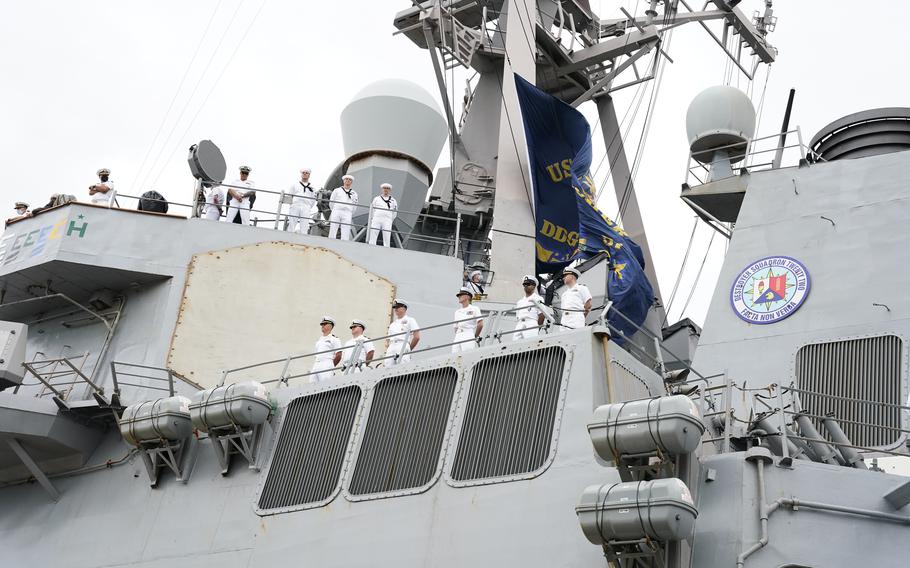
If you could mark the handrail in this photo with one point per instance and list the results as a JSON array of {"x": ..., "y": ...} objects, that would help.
[
  {"x": 750, "y": 152},
  {"x": 169, "y": 379},
  {"x": 492, "y": 332},
  {"x": 794, "y": 408},
  {"x": 279, "y": 216},
  {"x": 47, "y": 379}
]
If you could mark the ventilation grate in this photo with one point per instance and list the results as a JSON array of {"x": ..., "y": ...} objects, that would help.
[
  {"x": 404, "y": 432},
  {"x": 509, "y": 415},
  {"x": 306, "y": 466},
  {"x": 861, "y": 371}
]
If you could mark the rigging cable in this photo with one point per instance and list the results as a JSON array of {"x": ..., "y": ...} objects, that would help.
[
  {"x": 639, "y": 97},
  {"x": 186, "y": 73},
  {"x": 212, "y": 89},
  {"x": 189, "y": 99},
  {"x": 639, "y": 153},
  {"x": 761, "y": 101},
  {"x": 698, "y": 275},
  {"x": 682, "y": 269}
]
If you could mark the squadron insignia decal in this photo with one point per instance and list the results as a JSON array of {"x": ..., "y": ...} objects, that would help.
[{"x": 770, "y": 289}]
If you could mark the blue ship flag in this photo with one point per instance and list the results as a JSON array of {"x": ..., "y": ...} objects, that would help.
[{"x": 569, "y": 224}]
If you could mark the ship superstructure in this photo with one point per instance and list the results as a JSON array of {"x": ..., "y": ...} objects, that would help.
[{"x": 157, "y": 407}]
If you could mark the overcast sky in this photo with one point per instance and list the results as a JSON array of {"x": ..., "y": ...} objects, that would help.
[{"x": 90, "y": 84}]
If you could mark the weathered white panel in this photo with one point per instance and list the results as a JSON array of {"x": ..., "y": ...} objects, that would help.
[{"x": 264, "y": 301}]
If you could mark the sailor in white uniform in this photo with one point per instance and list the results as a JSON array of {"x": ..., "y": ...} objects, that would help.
[
  {"x": 475, "y": 283},
  {"x": 329, "y": 348},
  {"x": 529, "y": 316},
  {"x": 367, "y": 350},
  {"x": 383, "y": 209},
  {"x": 303, "y": 204},
  {"x": 102, "y": 193},
  {"x": 466, "y": 332},
  {"x": 239, "y": 204},
  {"x": 214, "y": 203},
  {"x": 343, "y": 203},
  {"x": 575, "y": 301},
  {"x": 401, "y": 324}
]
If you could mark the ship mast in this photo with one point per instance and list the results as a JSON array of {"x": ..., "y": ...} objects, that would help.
[{"x": 567, "y": 51}]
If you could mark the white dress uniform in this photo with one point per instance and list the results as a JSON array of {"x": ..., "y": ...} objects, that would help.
[
  {"x": 527, "y": 314},
  {"x": 362, "y": 356},
  {"x": 214, "y": 203},
  {"x": 384, "y": 213},
  {"x": 325, "y": 361},
  {"x": 104, "y": 198},
  {"x": 465, "y": 330},
  {"x": 397, "y": 344},
  {"x": 574, "y": 298},
  {"x": 303, "y": 205},
  {"x": 343, "y": 205},
  {"x": 243, "y": 205}
]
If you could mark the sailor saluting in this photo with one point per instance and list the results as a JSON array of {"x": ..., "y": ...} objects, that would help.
[
  {"x": 401, "y": 324},
  {"x": 328, "y": 348},
  {"x": 343, "y": 202},
  {"x": 384, "y": 209}
]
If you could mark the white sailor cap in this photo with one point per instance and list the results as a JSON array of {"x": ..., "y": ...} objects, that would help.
[
  {"x": 386, "y": 184},
  {"x": 356, "y": 322},
  {"x": 571, "y": 271},
  {"x": 529, "y": 278},
  {"x": 245, "y": 169},
  {"x": 399, "y": 302},
  {"x": 20, "y": 204},
  {"x": 103, "y": 172},
  {"x": 327, "y": 319},
  {"x": 464, "y": 290},
  {"x": 306, "y": 170},
  {"x": 475, "y": 273},
  {"x": 347, "y": 176}
]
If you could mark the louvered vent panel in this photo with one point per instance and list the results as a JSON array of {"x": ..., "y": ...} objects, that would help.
[
  {"x": 404, "y": 432},
  {"x": 509, "y": 415},
  {"x": 309, "y": 455},
  {"x": 627, "y": 385},
  {"x": 860, "y": 370}
]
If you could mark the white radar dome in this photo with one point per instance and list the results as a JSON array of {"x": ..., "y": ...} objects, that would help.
[
  {"x": 720, "y": 118},
  {"x": 394, "y": 115}
]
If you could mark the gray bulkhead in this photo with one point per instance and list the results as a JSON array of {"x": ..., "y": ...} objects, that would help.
[
  {"x": 846, "y": 221},
  {"x": 145, "y": 257},
  {"x": 112, "y": 517}
]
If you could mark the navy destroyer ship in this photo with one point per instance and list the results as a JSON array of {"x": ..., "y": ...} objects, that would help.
[{"x": 157, "y": 401}]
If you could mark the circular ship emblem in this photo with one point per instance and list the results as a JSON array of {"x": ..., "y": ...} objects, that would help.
[{"x": 770, "y": 289}]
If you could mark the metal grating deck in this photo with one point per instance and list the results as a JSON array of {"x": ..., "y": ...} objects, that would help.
[
  {"x": 509, "y": 415},
  {"x": 404, "y": 433},
  {"x": 311, "y": 447}
]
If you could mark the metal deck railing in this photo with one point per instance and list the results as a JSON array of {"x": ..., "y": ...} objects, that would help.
[
  {"x": 158, "y": 378},
  {"x": 782, "y": 407},
  {"x": 279, "y": 218},
  {"x": 492, "y": 332},
  {"x": 757, "y": 156}
]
